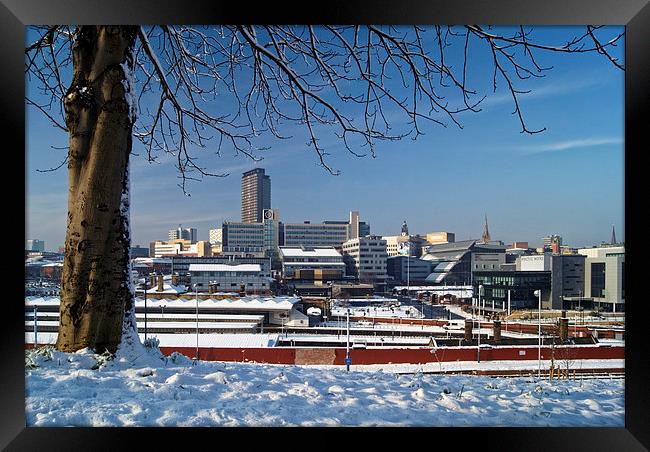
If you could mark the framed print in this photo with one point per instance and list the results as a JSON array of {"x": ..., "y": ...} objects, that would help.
[{"x": 434, "y": 144}]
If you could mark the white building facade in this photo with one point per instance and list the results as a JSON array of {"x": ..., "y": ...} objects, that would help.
[
  {"x": 365, "y": 257},
  {"x": 229, "y": 278},
  {"x": 296, "y": 259},
  {"x": 605, "y": 276}
]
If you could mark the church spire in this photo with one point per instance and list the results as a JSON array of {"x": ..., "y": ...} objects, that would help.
[
  {"x": 486, "y": 232},
  {"x": 613, "y": 236}
]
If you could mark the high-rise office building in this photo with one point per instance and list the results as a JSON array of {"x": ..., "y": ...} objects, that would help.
[
  {"x": 255, "y": 195},
  {"x": 35, "y": 245},
  {"x": 552, "y": 241},
  {"x": 183, "y": 234},
  {"x": 365, "y": 258}
]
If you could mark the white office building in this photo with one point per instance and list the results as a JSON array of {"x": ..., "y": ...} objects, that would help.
[
  {"x": 35, "y": 245},
  {"x": 605, "y": 276},
  {"x": 324, "y": 260},
  {"x": 365, "y": 257},
  {"x": 181, "y": 233},
  {"x": 229, "y": 278}
]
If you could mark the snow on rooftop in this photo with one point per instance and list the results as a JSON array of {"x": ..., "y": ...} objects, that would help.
[
  {"x": 225, "y": 268},
  {"x": 250, "y": 302},
  {"x": 168, "y": 288},
  {"x": 308, "y": 252}
]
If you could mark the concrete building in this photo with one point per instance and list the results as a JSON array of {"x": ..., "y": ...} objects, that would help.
[
  {"x": 272, "y": 230},
  {"x": 354, "y": 225},
  {"x": 400, "y": 245},
  {"x": 325, "y": 234},
  {"x": 514, "y": 246},
  {"x": 605, "y": 276},
  {"x": 413, "y": 271},
  {"x": 180, "y": 265},
  {"x": 567, "y": 276},
  {"x": 437, "y": 238},
  {"x": 255, "y": 195},
  {"x": 521, "y": 285},
  {"x": 183, "y": 234},
  {"x": 229, "y": 278},
  {"x": 139, "y": 251},
  {"x": 252, "y": 239},
  {"x": 365, "y": 258},
  {"x": 315, "y": 234},
  {"x": 552, "y": 243},
  {"x": 488, "y": 261},
  {"x": 323, "y": 263},
  {"x": 243, "y": 239},
  {"x": 35, "y": 245},
  {"x": 181, "y": 248}
]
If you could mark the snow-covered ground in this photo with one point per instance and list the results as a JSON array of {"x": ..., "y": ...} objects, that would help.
[{"x": 140, "y": 387}]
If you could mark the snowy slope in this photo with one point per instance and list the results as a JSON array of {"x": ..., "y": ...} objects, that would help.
[{"x": 139, "y": 388}]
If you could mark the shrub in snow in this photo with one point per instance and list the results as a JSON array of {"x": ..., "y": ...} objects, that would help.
[
  {"x": 179, "y": 358},
  {"x": 102, "y": 359},
  {"x": 83, "y": 359},
  {"x": 36, "y": 356},
  {"x": 151, "y": 342}
]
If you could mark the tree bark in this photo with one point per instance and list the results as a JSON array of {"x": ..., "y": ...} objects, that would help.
[{"x": 96, "y": 281}]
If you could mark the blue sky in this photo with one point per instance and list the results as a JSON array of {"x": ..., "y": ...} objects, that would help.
[{"x": 567, "y": 180}]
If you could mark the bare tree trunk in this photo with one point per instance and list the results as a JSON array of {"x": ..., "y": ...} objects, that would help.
[{"x": 96, "y": 281}]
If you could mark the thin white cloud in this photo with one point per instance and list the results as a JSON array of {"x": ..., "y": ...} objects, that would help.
[
  {"x": 549, "y": 89},
  {"x": 571, "y": 144}
]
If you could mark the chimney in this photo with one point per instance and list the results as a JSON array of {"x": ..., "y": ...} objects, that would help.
[
  {"x": 160, "y": 283},
  {"x": 242, "y": 290},
  {"x": 175, "y": 279},
  {"x": 211, "y": 288},
  {"x": 497, "y": 331},
  {"x": 564, "y": 329},
  {"x": 468, "y": 330}
]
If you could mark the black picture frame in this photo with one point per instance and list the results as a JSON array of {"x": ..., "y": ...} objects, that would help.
[{"x": 634, "y": 14}]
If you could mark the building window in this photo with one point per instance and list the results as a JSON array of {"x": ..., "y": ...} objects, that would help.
[
  {"x": 623, "y": 280},
  {"x": 598, "y": 279}
]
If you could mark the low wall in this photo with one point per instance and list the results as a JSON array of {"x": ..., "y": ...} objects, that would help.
[{"x": 336, "y": 356}]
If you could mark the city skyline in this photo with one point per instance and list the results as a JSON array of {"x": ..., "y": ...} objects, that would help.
[{"x": 567, "y": 180}]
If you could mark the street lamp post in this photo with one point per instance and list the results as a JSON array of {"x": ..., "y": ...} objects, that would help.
[
  {"x": 35, "y": 326},
  {"x": 347, "y": 342},
  {"x": 478, "y": 349},
  {"x": 539, "y": 337},
  {"x": 146, "y": 280},
  {"x": 196, "y": 289},
  {"x": 579, "y": 300}
]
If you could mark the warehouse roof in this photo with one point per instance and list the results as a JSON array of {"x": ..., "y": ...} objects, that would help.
[
  {"x": 225, "y": 268},
  {"x": 290, "y": 251}
]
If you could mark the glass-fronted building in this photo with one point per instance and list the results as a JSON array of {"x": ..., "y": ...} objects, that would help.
[{"x": 521, "y": 284}]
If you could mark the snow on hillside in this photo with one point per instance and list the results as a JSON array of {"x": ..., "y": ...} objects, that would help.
[{"x": 140, "y": 387}]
